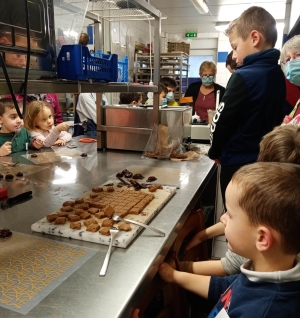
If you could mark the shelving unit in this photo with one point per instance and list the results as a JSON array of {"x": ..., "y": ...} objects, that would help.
[{"x": 172, "y": 64}]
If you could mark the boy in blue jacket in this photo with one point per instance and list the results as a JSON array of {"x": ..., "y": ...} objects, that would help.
[
  {"x": 261, "y": 224},
  {"x": 254, "y": 98}
]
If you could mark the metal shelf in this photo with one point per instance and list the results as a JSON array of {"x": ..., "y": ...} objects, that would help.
[
  {"x": 38, "y": 86},
  {"x": 176, "y": 66},
  {"x": 121, "y": 10}
]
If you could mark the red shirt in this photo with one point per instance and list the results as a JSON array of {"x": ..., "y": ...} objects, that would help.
[{"x": 203, "y": 103}]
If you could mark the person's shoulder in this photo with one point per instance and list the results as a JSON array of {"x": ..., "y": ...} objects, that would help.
[
  {"x": 195, "y": 84},
  {"x": 219, "y": 87}
]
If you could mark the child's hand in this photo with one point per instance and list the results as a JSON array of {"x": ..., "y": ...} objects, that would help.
[
  {"x": 37, "y": 143},
  {"x": 62, "y": 127},
  {"x": 196, "y": 240},
  {"x": 60, "y": 142},
  {"x": 136, "y": 313},
  {"x": 5, "y": 149},
  {"x": 166, "y": 272}
]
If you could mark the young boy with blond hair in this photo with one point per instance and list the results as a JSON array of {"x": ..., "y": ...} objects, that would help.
[
  {"x": 282, "y": 144},
  {"x": 262, "y": 225},
  {"x": 13, "y": 136},
  {"x": 254, "y": 98}
]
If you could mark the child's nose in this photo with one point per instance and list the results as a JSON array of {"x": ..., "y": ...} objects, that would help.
[{"x": 224, "y": 218}]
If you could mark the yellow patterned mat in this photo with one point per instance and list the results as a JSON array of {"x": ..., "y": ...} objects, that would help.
[{"x": 30, "y": 267}]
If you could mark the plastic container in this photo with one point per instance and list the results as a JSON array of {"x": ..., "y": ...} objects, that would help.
[
  {"x": 123, "y": 69},
  {"x": 75, "y": 62},
  {"x": 122, "y": 66}
]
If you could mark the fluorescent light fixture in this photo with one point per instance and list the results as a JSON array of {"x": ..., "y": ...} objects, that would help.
[
  {"x": 221, "y": 26},
  {"x": 200, "y": 6}
]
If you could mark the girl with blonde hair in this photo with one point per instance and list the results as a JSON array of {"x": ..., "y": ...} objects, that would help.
[{"x": 39, "y": 121}]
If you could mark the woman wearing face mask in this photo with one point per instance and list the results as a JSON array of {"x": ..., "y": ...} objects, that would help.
[
  {"x": 204, "y": 92},
  {"x": 290, "y": 64}
]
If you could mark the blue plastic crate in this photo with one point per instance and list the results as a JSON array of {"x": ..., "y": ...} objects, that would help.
[
  {"x": 75, "y": 62},
  {"x": 123, "y": 69},
  {"x": 122, "y": 66}
]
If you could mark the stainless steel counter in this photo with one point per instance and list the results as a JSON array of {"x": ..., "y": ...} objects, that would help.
[{"x": 84, "y": 293}]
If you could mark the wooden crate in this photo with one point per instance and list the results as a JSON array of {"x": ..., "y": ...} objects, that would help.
[{"x": 179, "y": 47}]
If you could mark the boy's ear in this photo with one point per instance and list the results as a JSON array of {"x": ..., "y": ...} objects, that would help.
[
  {"x": 264, "y": 239},
  {"x": 255, "y": 37}
]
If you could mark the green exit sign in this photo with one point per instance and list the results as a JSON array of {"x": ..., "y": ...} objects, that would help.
[{"x": 191, "y": 35}]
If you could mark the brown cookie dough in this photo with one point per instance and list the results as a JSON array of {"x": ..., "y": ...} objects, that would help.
[
  {"x": 97, "y": 190},
  {"x": 75, "y": 225},
  {"x": 60, "y": 220},
  {"x": 51, "y": 217},
  {"x": 67, "y": 208},
  {"x": 110, "y": 189},
  {"x": 84, "y": 206},
  {"x": 105, "y": 231},
  {"x": 109, "y": 211},
  {"x": 108, "y": 223},
  {"x": 79, "y": 201},
  {"x": 93, "y": 227},
  {"x": 78, "y": 211},
  {"x": 100, "y": 215},
  {"x": 124, "y": 227},
  {"x": 64, "y": 214},
  {"x": 93, "y": 210},
  {"x": 73, "y": 217},
  {"x": 85, "y": 215},
  {"x": 68, "y": 203},
  {"x": 90, "y": 221}
]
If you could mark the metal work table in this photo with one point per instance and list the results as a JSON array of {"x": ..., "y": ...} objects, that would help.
[{"x": 84, "y": 293}]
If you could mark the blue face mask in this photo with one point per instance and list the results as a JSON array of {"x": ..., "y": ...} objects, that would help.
[
  {"x": 170, "y": 96},
  {"x": 164, "y": 101},
  {"x": 207, "y": 80},
  {"x": 292, "y": 70}
]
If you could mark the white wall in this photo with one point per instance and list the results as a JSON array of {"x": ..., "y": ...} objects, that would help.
[{"x": 295, "y": 11}]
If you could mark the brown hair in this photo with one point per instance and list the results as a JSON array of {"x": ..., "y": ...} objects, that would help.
[
  {"x": 230, "y": 61},
  {"x": 33, "y": 110},
  {"x": 270, "y": 197},
  {"x": 128, "y": 98},
  {"x": 254, "y": 18},
  {"x": 282, "y": 144},
  {"x": 162, "y": 88},
  {"x": 7, "y": 103},
  {"x": 208, "y": 65},
  {"x": 168, "y": 82},
  {"x": 84, "y": 39}
]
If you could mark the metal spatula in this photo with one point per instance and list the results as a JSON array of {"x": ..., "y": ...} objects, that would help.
[{"x": 113, "y": 232}]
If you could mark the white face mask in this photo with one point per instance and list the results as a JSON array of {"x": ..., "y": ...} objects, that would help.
[{"x": 170, "y": 96}]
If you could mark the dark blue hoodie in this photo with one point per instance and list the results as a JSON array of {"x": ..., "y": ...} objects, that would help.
[{"x": 251, "y": 107}]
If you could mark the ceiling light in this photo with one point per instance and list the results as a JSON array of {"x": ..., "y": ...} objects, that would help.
[
  {"x": 200, "y": 6},
  {"x": 221, "y": 26}
]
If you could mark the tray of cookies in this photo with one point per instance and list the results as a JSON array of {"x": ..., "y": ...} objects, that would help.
[{"x": 89, "y": 218}]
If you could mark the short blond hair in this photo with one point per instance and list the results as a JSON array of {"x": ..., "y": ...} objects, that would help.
[
  {"x": 32, "y": 112},
  {"x": 254, "y": 18},
  {"x": 208, "y": 65},
  {"x": 282, "y": 144},
  {"x": 270, "y": 196}
]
